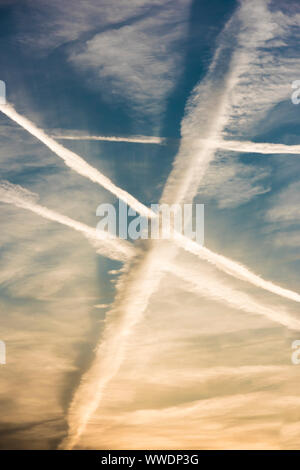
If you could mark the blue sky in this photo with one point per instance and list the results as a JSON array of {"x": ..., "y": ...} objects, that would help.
[{"x": 183, "y": 70}]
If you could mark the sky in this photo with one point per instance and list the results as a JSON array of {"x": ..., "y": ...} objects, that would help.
[{"x": 153, "y": 344}]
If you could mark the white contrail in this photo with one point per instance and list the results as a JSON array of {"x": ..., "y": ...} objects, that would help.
[
  {"x": 243, "y": 146},
  {"x": 74, "y": 161},
  {"x": 137, "y": 139},
  {"x": 190, "y": 166},
  {"x": 112, "y": 248},
  {"x": 79, "y": 165}
]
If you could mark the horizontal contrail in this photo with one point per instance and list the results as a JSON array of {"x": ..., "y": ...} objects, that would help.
[
  {"x": 138, "y": 139},
  {"x": 133, "y": 297},
  {"x": 112, "y": 248},
  {"x": 232, "y": 145},
  {"x": 79, "y": 165}
]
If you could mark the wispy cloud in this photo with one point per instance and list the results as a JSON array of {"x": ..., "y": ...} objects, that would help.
[
  {"x": 139, "y": 139},
  {"x": 115, "y": 249}
]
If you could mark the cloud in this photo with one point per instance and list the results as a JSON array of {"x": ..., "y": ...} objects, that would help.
[
  {"x": 232, "y": 183},
  {"x": 139, "y": 62},
  {"x": 131, "y": 51}
]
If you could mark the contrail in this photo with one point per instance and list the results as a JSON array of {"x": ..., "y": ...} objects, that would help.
[
  {"x": 79, "y": 165},
  {"x": 255, "y": 147},
  {"x": 112, "y": 248},
  {"x": 74, "y": 161},
  {"x": 233, "y": 268},
  {"x": 223, "y": 144},
  {"x": 138, "y": 139}
]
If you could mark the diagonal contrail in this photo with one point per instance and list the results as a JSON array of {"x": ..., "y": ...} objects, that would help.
[{"x": 123, "y": 251}]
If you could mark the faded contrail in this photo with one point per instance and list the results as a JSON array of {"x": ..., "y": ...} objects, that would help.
[
  {"x": 79, "y": 165},
  {"x": 112, "y": 248},
  {"x": 138, "y": 139},
  {"x": 74, "y": 161}
]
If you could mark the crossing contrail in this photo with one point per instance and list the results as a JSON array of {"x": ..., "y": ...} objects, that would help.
[
  {"x": 239, "y": 146},
  {"x": 219, "y": 291},
  {"x": 258, "y": 147}
]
